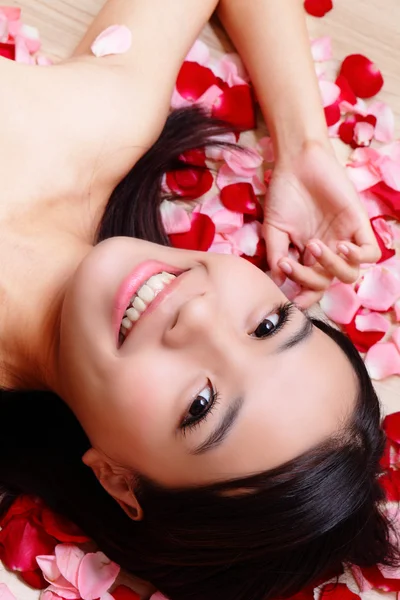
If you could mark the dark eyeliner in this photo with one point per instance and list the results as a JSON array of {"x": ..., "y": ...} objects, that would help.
[
  {"x": 285, "y": 312},
  {"x": 190, "y": 424}
]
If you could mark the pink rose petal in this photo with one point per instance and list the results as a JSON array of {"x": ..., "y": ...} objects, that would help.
[
  {"x": 396, "y": 307},
  {"x": 5, "y": 593},
  {"x": 379, "y": 289},
  {"x": 266, "y": 148},
  {"x": 69, "y": 558},
  {"x": 340, "y": 303},
  {"x": 228, "y": 177},
  {"x": 363, "y": 133},
  {"x": 372, "y": 322},
  {"x": 96, "y": 575},
  {"x": 229, "y": 68},
  {"x": 49, "y": 595},
  {"x": 390, "y": 171},
  {"x": 247, "y": 238},
  {"x": 363, "y": 177},
  {"x": 321, "y": 49},
  {"x": 222, "y": 245},
  {"x": 178, "y": 101},
  {"x": 175, "y": 219},
  {"x": 49, "y": 568},
  {"x": 384, "y": 130},
  {"x": 330, "y": 92},
  {"x": 382, "y": 360},
  {"x": 116, "y": 39},
  {"x": 243, "y": 162},
  {"x": 30, "y": 35},
  {"x": 396, "y": 337},
  {"x": 199, "y": 53},
  {"x": 66, "y": 594}
]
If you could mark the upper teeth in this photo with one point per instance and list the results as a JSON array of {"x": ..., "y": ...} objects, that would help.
[{"x": 143, "y": 298}]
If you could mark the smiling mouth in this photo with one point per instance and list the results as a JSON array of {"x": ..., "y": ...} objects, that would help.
[{"x": 141, "y": 301}]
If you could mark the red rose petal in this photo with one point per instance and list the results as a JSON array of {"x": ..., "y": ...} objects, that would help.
[
  {"x": 21, "y": 541},
  {"x": 338, "y": 591},
  {"x": 346, "y": 93},
  {"x": 379, "y": 581},
  {"x": 260, "y": 257},
  {"x": 200, "y": 236},
  {"x": 194, "y": 80},
  {"x": 386, "y": 253},
  {"x": 35, "y": 579},
  {"x": 318, "y": 8},
  {"x": 23, "y": 505},
  {"x": 240, "y": 197},
  {"x": 390, "y": 481},
  {"x": 122, "y": 592},
  {"x": 391, "y": 425},
  {"x": 389, "y": 196},
  {"x": 7, "y": 50},
  {"x": 62, "y": 529},
  {"x": 332, "y": 114},
  {"x": 236, "y": 106},
  {"x": 363, "y": 76},
  {"x": 363, "y": 340}
]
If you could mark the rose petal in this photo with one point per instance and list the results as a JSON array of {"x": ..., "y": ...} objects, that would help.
[
  {"x": 247, "y": 238},
  {"x": 363, "y": 133},
  {"x": 194, "y": 80},
  {"x": 391, "y": 425},
  {"x": 362, "y": 340},
  {"x": 360, "y": 580},
  {"x": 321, "y": 49},
  {"x": 200, "y": 236},
  {"x": 116, "y": 39},
  {"x": 384, "y": 235},
  {"x": 240, "y": 197},
  {"x": 5, "y": 593},
  {"x": 379, "y": 289},
  {"x": 49, "y": 568},
  {"x": 372, "y": 322},
  {"x": 7, "y": 50},
  {"x": 64, "y": 593},
  {"x": 337, "y": 591},
  {"x": 390, "y": 171},
  {"x": 96, "y": 575},
  {"x": 229, "y": 68},
  {"x": 330, "y": 92},
  {"x": 34, "y": 579},
  {"x": 12, "y": 13},
  {"x": 222, "y": 245},
  {"x": 384, "y": 130},
  {"x": 175, "y": 219},
  {"x": 49, "y": 595},
  {"x": 382, "y": 360},
  {"x": 388, "y": 195},
  {"x": 390, "y": 481},
  {"x": 243, "y": 162},
  {"x": 362, "y": 75},
  {"x": 122, "y": 592},
  {"x": 318, "y": 8},
  {"x": 69, "y": 558},
  {"x": 21, "y": 541},
  {"x": 266, "y": 148},
  {"x": 199, "y": 53},
  {"x": 340, "y": 303},
  {"x": 346, "y": 93},
  {"x": 61, "y": 528},
  {"x": 236, "y": 106},
  {"x": 228, "y": 177},
  {"x": 30, "y": 35}
]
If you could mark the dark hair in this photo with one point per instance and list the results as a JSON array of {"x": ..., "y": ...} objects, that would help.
[{"x": 264, "y": 536}]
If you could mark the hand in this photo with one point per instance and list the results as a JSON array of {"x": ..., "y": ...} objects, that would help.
[{"x": 312, "y": 205}]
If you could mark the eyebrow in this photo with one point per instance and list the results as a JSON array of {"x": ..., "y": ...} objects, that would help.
[
  {"x": 299, "y": 336},
  {"x": 221, "y": 432},
  {"x": 232, "y": 414}
]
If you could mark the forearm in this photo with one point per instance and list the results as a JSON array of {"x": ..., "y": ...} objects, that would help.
[{"x": 272, "y": 39}]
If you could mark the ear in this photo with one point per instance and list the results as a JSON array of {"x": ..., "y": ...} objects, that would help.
[{"x": 115, "y": 480}]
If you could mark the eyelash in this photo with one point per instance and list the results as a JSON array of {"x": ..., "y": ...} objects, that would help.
[{"x": 285, "y": 311}]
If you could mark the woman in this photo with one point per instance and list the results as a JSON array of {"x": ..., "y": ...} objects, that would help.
[{"x": 227, "y": 445}]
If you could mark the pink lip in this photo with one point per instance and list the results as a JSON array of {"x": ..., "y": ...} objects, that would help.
[{"x": 133, "y": 282}]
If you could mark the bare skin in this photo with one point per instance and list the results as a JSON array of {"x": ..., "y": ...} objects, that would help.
[{"x": 69, "y": 134}]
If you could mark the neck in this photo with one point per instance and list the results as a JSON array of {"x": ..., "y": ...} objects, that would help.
[{"x": 42, "y": 256}]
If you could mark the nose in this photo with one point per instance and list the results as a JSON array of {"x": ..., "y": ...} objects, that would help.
[{"x": 196, "y": 323}]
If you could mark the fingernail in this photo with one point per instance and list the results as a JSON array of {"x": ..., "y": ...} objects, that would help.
[
  {"x": 286, "y": 268},
  {"x": 315, "y": 249},
  {"x": 343, "y": 249}
]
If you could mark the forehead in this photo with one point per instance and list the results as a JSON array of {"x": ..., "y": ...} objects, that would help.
[{"x": 292, "y": 401}]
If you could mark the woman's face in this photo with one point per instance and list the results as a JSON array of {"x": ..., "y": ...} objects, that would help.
[{"x": 282, "y": 385}]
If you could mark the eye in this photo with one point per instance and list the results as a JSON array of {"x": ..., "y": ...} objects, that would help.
[
  {"x": 200, "y": 407},
  {"x": 274, "y": 322}
]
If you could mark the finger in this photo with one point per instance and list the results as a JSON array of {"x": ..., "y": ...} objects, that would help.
[
  {"x": 277, "y": 246},
  {"x": 333, "y": 264},
  {"x": 366, "y": 240},
  {"x": 307, "y": 298},
  {"x": 351, "y": 252},
  {"x": 306, "y": 277},
  {"x": 308, "y": 259}
]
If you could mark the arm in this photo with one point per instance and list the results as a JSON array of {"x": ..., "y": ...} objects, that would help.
[{"x": 310, "y": 198}]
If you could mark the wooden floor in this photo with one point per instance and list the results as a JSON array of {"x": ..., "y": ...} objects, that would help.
[{"x": 370, "y": 27}]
